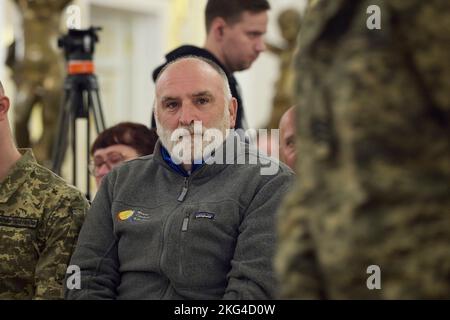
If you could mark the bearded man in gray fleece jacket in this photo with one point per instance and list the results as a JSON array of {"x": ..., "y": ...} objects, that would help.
[{"x": 177, "y": 225}]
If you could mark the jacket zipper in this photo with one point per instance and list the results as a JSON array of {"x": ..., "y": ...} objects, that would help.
[
  {"x": 166, "y": 229},
  {"x": 184, "y": 227},
  {"x": 166, "y": 225},
  {"x": 184, "y": 190}
]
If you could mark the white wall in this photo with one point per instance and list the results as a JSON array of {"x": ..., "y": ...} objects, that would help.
[
  {"x": 9, "y": 21},
  {"x": 132, "y": 43},
  {"x": 2, "y": 37}
]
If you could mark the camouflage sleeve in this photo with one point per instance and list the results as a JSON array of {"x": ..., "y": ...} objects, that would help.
[
  {"x": 371, "y": 186},
  {"x": 60, "y": 233},
  {"x": 295, "y": 260}
]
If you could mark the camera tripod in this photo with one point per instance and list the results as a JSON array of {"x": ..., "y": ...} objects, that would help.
[{"x": 81, "y": 100}]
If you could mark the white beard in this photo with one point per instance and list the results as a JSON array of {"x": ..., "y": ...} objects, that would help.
[{"x": 194, "y": 143}]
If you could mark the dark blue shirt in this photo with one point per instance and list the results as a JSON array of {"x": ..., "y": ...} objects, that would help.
[{"x": 178, "y": 168}]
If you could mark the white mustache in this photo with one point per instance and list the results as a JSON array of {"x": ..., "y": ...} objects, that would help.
[{"x": 190, "y": 130}]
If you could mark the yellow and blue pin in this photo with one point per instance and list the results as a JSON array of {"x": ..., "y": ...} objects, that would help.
[{"x": 125, "y": 215}]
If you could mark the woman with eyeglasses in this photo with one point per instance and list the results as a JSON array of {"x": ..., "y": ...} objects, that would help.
[{"x": 122, "y": 142}]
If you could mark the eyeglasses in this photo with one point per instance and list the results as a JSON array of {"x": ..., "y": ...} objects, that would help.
[{"x": 112, "y": 160}]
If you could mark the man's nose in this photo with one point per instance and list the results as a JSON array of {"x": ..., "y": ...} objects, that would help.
[
  {"x": 260, "y": 45},
  {"x": 187, "y": 115}
]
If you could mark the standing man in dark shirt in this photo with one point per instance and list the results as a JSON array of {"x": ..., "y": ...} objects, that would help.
[{"x": 234, "y": 40}]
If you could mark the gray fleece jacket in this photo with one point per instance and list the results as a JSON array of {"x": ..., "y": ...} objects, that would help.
[{"x": 153, "y": 234}]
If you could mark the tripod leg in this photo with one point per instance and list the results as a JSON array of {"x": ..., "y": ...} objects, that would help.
[
  {"x": 59, "y": 148},
  {"x": 97, "y": 109},
  {"x": 74, "y": 149},
  {"x": 88, "y": 176}
]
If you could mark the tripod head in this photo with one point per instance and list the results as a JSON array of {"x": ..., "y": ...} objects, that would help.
[{"x": 79, "y": 47}]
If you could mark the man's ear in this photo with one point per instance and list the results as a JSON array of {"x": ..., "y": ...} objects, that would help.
[
  {"x": 232, "y": 107},
  {"x": 217, "y": 29},
  {"x": 4, "y": 107}
]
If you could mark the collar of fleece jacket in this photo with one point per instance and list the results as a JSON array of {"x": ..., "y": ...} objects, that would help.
[{"x": 208, "y": 169}]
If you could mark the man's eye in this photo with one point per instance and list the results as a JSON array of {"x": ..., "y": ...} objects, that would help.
[
  {"x": 171, "y": 105},
  {"x": 253, "y": 35},
  {"x": 202, "y": 101}
]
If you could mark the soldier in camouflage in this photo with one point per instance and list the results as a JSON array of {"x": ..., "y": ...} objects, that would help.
[
  {"x": 374, "y": 164},
  {"x": 40, "y": 217}
]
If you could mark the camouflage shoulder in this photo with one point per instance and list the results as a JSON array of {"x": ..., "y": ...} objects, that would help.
[
  {"x": 60, "y": 189},
  {"x": 327, "y": 21}
]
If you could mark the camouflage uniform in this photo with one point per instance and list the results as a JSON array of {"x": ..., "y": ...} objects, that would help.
[
  {"x": 40, "y": 217},
  {"x": 374, "y": 154}
]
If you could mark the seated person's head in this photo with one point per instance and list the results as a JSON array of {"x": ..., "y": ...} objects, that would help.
[
  {"x": 124, "y": 141},
  {"x": 288, "y": 153},
  {"x": 193, "y": 90}
]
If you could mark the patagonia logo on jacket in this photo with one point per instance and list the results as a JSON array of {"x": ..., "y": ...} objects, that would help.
[{"x": 203, "y": 214}]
